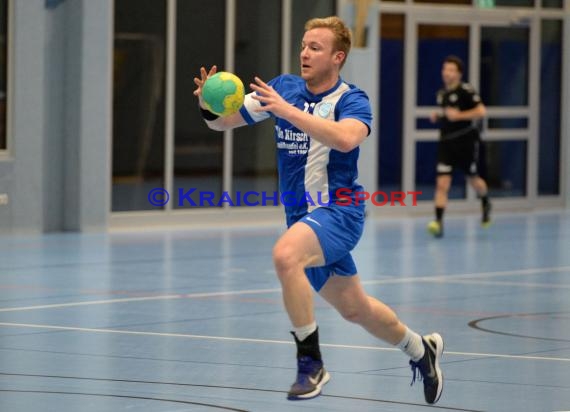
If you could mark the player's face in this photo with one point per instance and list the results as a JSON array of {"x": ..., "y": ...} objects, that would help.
[
  {"x": 450, "y": 74},
  {"x": 319, "y": 60}
]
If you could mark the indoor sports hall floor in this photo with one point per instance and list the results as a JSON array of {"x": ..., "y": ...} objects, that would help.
[{"x": 193, "y": 320}]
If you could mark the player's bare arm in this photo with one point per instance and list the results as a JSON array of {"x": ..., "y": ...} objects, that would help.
[
  {"x": 343, "y": 135},
  {"x": 434, "y": 116},
  {"x": 221, "y": 123}
]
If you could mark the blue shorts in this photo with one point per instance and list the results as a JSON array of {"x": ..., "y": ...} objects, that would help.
[{"x": 338, "y": 229}]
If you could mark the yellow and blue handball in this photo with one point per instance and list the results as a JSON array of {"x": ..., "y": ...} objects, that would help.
[{"x": 223, "y": 93}]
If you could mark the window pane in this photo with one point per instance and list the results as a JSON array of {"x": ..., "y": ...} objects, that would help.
[
  {"x": 508, "y": 123},
  {"x": 550, "y": 102},
  {"x": 514, "y": 3},
  {"x": 444, "y": 1},
  {"x": 391, "y": 102},
  {"x": 423, "y": 123},
  {"x": 3, "y": 71},
  {"x": 304, "y": 10},
  {"x": 504, "y": 3},
  {"x": 553, "y": 4},
  {"x": 504, "y": 167},
  {"x": 435, "y": 43},
  {"x": 504, "y": 66},
  {"x": 426, "y": 160},
  {"x": 198, "y": 151},
  {"x": 254, "y": 156},
  {"x": 138, "y": 106}
]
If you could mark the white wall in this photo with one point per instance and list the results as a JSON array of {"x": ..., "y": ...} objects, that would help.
[{"x": 57, "y": 170}]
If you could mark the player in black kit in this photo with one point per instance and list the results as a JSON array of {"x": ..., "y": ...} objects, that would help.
[{"x": 459, "y": 140}]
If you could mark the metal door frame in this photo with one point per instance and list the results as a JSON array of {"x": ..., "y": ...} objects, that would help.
[{"x": 475, "y": 22}]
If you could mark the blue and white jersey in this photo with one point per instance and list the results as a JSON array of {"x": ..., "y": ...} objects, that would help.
[{"x": 309, "y": 170}]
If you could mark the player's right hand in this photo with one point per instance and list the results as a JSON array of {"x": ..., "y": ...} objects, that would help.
[
  {"x": 200, "y": 81},
  {"x": 434, "y": 117}
]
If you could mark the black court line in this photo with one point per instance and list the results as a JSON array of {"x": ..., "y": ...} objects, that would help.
[
  {"x": 355, "y": 398},
  {"x": 492, "y": 382},
  {"x": 142, "y": 398},
  {"x": 475, "y": 324},
  {"x": 372, "y": 372}
]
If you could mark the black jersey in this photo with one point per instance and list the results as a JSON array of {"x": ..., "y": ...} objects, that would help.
[{"x": 463, "y": 97}]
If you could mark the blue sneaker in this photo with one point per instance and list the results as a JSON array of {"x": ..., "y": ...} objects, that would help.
[
  {"x": 429, "y": 369},
  {"x": 311, "y": 377}
]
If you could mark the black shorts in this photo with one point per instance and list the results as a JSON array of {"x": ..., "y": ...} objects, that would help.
[{"x": 461, "y": 153}]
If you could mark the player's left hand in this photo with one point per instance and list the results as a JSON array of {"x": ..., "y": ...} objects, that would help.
[
  {"x": 273, "y": 102},
  {"x": 452, "y": 114},
  {"x": 204, "y": 75}
]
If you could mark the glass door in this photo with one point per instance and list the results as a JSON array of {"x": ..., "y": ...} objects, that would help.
[{"x": 498, "y": 54}]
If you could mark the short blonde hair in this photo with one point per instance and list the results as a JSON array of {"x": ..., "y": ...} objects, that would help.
[{"x": 342, "y": 34}]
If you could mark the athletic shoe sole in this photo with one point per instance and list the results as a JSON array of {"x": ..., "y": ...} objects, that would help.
[{"x": 438, "y": 353}]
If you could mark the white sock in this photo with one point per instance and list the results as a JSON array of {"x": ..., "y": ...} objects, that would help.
[
  {"x": 412, "y": 345},
  {"x": 304, "y": 331}
]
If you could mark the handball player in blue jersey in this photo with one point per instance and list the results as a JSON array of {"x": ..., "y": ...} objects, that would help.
[{"x": 320, "y": 121}]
